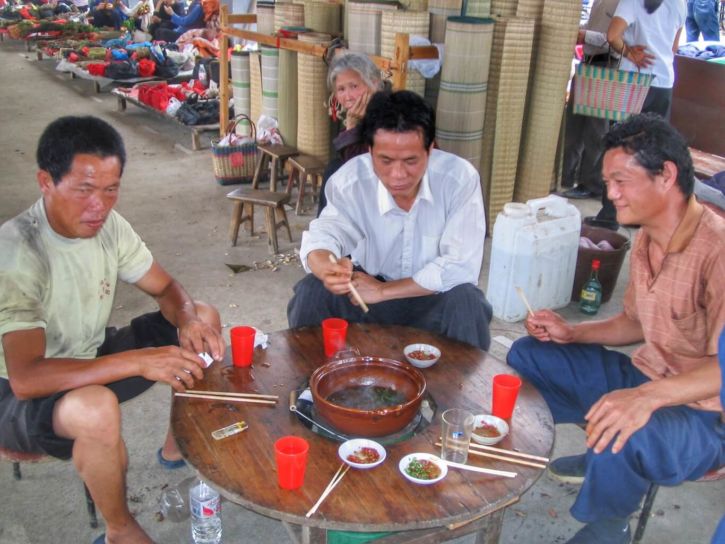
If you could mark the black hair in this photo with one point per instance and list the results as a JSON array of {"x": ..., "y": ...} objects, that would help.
[
  {"x": 399, "y": 111},
  {"x": 67, "y": 137},
  {"x": 651, "y": 141}
]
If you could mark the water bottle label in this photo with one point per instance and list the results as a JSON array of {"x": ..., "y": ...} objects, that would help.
[{"x": 206, "y": 509}]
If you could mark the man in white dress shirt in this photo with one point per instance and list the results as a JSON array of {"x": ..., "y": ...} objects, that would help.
[{"x": 406, "y": 225}]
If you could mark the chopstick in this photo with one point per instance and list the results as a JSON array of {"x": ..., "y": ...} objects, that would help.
[
  {"x": 233, "y": 394},
  {"x": 228, "y": 399},
  {"x": 501, "y": 457},
  {"x": 522, "y": 295},
  {"x": 355, "y": 294},
  {"x": 509, "y": 452},
  {"x": 492, "y": 472},
  {"x": 335, "y": 480}
]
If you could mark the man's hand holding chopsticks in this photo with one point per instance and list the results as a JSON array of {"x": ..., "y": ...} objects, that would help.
[
  {"x": 335, "y": 276},
  {"x": 548, "y": 326},
  {"x": 616, "y": 416},
  {"x": 370, "y": 288}
]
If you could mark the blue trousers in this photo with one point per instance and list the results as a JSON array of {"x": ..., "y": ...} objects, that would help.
[
  {"x": 677, "y": 444},
  {"x": 702, "y": 17}
]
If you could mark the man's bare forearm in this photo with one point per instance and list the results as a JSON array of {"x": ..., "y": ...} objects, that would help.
[
  {"x": 615, "y": 331},
  {"x": 696, "y": 385}
]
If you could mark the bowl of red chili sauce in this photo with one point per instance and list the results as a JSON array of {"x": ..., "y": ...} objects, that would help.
[{"x": 361, "y": 453}]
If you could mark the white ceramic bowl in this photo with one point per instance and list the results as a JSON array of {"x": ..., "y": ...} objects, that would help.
[
  {"x": 351, "y": 447},
  {"x": 484, "y": 419},
  {"x": 426, "y": 348},
  {"x": 405, "y": 461}
]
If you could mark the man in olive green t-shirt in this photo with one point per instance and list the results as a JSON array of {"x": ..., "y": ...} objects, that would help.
[{"x": 62, "y": 372}]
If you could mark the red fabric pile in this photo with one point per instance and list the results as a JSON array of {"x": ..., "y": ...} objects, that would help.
[{"x": 97, "y": 69}]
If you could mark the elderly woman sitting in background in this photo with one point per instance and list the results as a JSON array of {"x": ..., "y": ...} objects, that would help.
[{"x": 352, "y": 79}]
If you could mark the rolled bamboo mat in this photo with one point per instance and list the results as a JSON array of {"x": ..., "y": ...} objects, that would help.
[
  {"x": 530, "y": 8},
  {"x": 505, "y": 104},
  {"x": 444, "y": 6},
  {"x": 265, "y": 18},
  {"x": 240, "y": 89},
  {"x": 414, "y": 23},
  {"x": 438, "y": 18},
  {"x": 464, "y": 78},
  {"x": 288, "y": 15},
  {"x": 313, "y": 122},
  {"x": 546, "y": 98},
  {"x": 270, "y": 80},
  {"x": 364, "y": 20},
  {"x": 504, "y": 8},
  {"x": 414, "y": 5},
  {"x": 287, "y": 106},
  {"x": 477, "y": 8},
  {"x": 255, "y": 75},
  {"x": 323, "y": 17}
]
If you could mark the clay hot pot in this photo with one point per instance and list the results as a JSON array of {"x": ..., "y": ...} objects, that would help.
[{"x": 367, "y": 371}]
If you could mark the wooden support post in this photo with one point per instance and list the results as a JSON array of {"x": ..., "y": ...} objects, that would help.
[
  {"x": 401, "y": 54},
  {"x": 223, "y": 74}
]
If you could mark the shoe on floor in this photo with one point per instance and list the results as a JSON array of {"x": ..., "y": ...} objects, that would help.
[
  {"x": 167, "y": 463},
  {"x": 569, "y": 470},
  {"x": 610, "y": 224},
  {"x": 606, "y": 531},
  {"x": 578, "y": 193}
]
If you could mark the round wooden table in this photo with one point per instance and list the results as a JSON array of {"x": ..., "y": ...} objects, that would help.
[{"x": 242, "y": 467}]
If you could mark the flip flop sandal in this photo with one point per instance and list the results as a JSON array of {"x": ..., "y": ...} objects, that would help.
[{"x": 167, "y": 464}]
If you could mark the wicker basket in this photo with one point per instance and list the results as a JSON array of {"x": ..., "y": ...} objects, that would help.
[
  {"x": 609, "y": 93},
  {"x": 235, "y": 163}
]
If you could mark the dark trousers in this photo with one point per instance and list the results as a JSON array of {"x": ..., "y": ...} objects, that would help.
[
  {"x": 27, "y": 425},
  {"x": 677, "y": 444},
  {"x": 583, "y": 146},
  {"x": 463, "y": 313},
  {"x": 658, "y": 100}
]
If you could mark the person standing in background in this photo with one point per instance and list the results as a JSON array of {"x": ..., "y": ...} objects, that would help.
[
  {"x": 702, "y": 18},
  {"x": 583, "y": 135},
  {"x": 646, "y": 34}
]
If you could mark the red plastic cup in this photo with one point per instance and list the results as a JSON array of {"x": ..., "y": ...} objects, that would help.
[
  {"x": 242, "y": 345},
  {"x": 290, "y": 454},
  {"x": 505, "y": 390},
  {"x": 334, "y": 333}
]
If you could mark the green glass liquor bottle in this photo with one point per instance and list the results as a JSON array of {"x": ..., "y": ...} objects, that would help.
[{"x": 591, "y": 296}]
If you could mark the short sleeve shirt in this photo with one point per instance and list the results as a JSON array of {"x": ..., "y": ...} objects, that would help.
[
  {"x": 681, "y": 307},
  {"x": 657, "y": 32},
  {"x": 65, "y": 286}
]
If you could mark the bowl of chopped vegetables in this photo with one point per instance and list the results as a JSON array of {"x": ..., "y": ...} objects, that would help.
[
  {"x": 489, "y": 430},
  {"x": 422, "y": 355},
  {"x": 423, "y": 468},
  {"x": 361, "y": 453}
]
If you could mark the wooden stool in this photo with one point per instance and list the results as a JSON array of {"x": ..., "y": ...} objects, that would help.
[
  {"x": 274, "y": 213},
  {"x": 304, "y": 168},
  {"x": 17, "y": 457},
  {"x": 277, "y": 154},
  {"x": 649, "y": 500}
]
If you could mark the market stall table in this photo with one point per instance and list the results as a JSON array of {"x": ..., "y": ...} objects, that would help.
[
  {"x": 242, "y": 467},
  {"x": 196, "y": 130}
]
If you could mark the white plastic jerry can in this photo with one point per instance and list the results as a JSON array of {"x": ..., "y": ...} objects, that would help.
[{"x": 535, "y": 248}]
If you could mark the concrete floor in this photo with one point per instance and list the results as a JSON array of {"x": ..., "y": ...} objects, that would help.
[{"x": 170, "y": 197}]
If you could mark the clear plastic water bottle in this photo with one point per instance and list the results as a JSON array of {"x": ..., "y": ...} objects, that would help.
[
  {"x": 203, "y": 76},
  {"x": 206, "y": 514}
]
